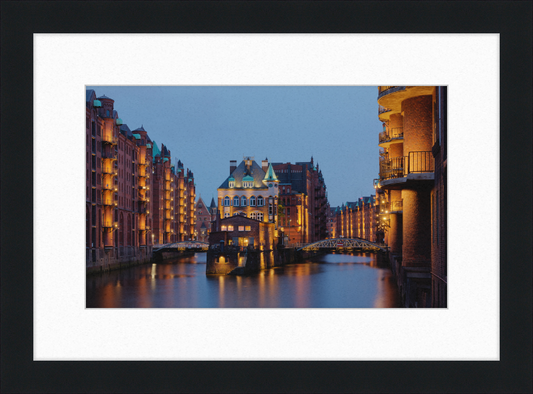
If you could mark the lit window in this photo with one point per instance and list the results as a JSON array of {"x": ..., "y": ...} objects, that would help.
[
  {"x": 243, "y": 201},
  {"x": 252, "y": 201},
  {"x": 224, "y": 228},
  {"x": 260, "y": 201},
  {"x": 241, "y": 228},
  {"x": 248, "y": 228},
  {"x": 230, "y": 228},
  {"x": 235, "y": 201}
]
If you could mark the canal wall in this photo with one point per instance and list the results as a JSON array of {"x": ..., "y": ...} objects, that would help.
[
  {"x": 414, "y": 283},
  {"x": 117, "y": 258},
  {"x": 243, "y": 261}
]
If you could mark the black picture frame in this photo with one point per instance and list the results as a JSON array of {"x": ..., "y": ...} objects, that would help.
[{"x": 21, "y": 19}]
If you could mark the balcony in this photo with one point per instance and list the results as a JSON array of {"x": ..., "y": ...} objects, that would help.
[
  {"x": 384, "y": 90},
  {"x": 382, "y": 110},
  {"x": 108, "y": 201},
  {"x": 397, "y": 206},
  {"x": 392, "y": 136},
  {"x": 109, "y": 170},
  {"x": 390, "y": 207},
  {"x": 416, "y": 167},
  {"x": 109, "y": 224},
  {"x": 107, "y": 186},
  {"x": 109, "y": 140},
  {"x": 109, "y": 155}
]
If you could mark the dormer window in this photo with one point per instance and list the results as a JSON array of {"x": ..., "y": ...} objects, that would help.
[{"x": 232, "y": 184}]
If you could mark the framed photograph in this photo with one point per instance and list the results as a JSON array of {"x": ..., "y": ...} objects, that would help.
[{"x": 54, "y": 53}]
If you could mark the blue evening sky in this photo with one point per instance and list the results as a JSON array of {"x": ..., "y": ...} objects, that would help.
[{"x": 207, "y": 126}]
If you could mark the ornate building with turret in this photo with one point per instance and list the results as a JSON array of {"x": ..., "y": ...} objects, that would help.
[{"x": 250, "y": 190}]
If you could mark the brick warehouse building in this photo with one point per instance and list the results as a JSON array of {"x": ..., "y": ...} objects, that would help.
[
  {"x": 358, "y": 219},
  {"x": 303, "y": 198},
  {"x": 412, "y": 184},
  {"x": 122, "y": 170},
  {"x": 203, "y": 220}
]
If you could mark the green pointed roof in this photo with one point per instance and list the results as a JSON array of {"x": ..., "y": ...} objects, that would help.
[
  {"x": 155, "y": 151},
  {"x": 270, "y": 174}
]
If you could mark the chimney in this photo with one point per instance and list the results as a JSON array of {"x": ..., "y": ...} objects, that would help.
[
  {"x": 232, "y": 166},
  {"x": 264, "y": 165}
]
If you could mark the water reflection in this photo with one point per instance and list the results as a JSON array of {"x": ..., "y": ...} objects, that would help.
[{"x": 331, "y": 281}]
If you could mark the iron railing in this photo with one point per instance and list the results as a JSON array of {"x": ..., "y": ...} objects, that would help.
[
  {"x": 394, "y": 133},
  {"x": 382, "y": 110},
  {"x": 421, "y": 161},
  {"x": 397, "y": 206},
  {"x": 107, "y": 170},
  {"x": 393, "y": 168},
  {"x": 398, "y": 167},
  {"x": 384, "y": 90},
  {"x": 109, "y": 140}
]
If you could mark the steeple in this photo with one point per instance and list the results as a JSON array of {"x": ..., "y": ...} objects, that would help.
[{"x": 270, "y": 175}]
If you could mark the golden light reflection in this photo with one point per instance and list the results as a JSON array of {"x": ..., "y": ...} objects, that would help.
[{"x": 221, "y": 300}]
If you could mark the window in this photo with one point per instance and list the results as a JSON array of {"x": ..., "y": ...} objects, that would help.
[
  {"x": 270, "y": 210},
  {"x": 200, "y": 205},
  {"x": 260, "y": 216},
  {"x": 252, "y": 215},
  {"x": 241, "y": 228},
  {"x": 260, "y": 201},
  {"x": 243, "y": 201},
  {"x": 226, "y": 214},
  {"x": 230, "y": 228},
  {"x": 252, "y": 201},
  {"x": 248, "y": 228},
  {"x": 236, "y": 201},
  {"x": 231, "y": 183},
  {"x": 224, "y": 228},
  {"x": 226, "y": 201}
]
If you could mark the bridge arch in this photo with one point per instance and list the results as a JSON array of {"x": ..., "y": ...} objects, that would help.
[{"x": 338, "y": 243}]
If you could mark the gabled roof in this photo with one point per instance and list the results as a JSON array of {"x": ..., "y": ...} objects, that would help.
[
  {"x": 104, "y": 97},
  {"x": 255, "y": 172},
  {"x": 213, "y": 204},
  {"x": 155, "y": 151},
  {"x": 140, "y": 129},
  {"x": 270, "y": 174},
  {"x": 90, "y": 95}
]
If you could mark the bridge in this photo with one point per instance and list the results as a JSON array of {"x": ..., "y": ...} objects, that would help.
[
  {"x": 345, "y": 243},
  {"x": 183, "y": 246}
]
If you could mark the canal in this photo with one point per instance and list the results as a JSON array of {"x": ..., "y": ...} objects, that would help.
[{"x": 358, "y": 280}]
